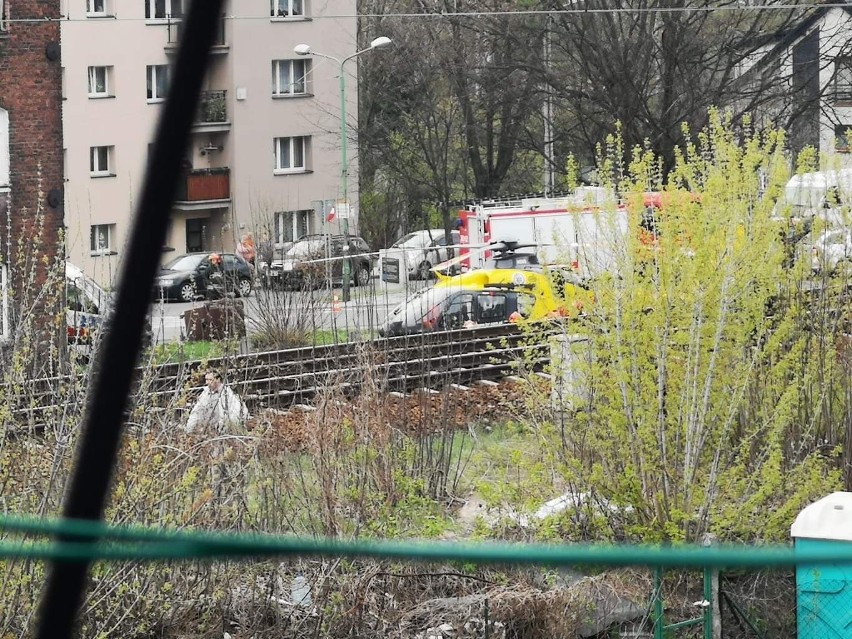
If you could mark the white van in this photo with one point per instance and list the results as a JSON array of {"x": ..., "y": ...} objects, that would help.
[{"x": 86, "y": 304}]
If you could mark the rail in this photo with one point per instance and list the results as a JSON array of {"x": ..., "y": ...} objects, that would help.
[{"x": 281, "y": 378}]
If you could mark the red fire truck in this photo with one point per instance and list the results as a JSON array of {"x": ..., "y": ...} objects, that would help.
[{"x": 586, "y": 230}]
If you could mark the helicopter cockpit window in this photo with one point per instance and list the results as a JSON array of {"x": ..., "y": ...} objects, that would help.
[
  {"x": 492, "y": 308},
  {"x": 459, "y": 311}
]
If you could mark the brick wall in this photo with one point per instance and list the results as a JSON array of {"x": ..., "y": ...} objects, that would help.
[{"x": 31, "y": 92}]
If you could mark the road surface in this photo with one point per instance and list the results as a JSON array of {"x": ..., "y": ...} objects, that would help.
[{"x": 320, "y": 310}]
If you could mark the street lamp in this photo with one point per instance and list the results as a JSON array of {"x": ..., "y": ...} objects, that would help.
[{"x": 305, "y": 49}]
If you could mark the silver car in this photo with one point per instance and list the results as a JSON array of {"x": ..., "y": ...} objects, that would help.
[
  {"x": 832, "y": 249},
  {"x": 419, "y": 251}
]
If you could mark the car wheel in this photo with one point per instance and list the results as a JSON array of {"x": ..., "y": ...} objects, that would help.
[
  {"x": 187, "y": 292},
  {"x": 362, "y": 275},
  {"x": 244, "y": 287},
  {"x": 424, "y": 271}
]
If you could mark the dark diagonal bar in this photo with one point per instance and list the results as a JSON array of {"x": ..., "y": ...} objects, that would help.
[{"x": 101, "y": 433}]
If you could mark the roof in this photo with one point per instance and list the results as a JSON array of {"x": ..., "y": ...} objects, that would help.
[
  {"x": 829, "y": 518},
  {"x": 787, "y": 38}
]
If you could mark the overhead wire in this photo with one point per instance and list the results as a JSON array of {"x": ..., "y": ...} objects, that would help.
[{"x": 472, "y": 14}]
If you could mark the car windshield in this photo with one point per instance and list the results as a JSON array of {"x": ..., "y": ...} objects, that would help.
[
  {"x": 306, "y": 248},
  {"x": 412, "y": 239},
  {"x": 185, "y": 262}
]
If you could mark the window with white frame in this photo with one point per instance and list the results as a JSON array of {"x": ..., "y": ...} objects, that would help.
[
  {"x": 102, "y": 238},
  {"x": 287, "y": 8},
  {"x": 96, "y": 7},
  {"x": 99, "y": 82},
  {"x": 158, "y": 82},
  {"x": 163, "y": 9},
  {"x": 100, "y": 160},
  {"x": 290, "y": 154},
  {"x": 4, "y": 302},
  {"x": 289, "y": 77},
  {"x": 291, "y": 225}
]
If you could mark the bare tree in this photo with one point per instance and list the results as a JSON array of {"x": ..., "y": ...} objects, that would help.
[
  {"x": 450, "y": 121},
  {"x": 654, "y": 65}
]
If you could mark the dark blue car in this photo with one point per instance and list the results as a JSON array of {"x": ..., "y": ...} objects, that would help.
[{"x": 187, "y": 277}]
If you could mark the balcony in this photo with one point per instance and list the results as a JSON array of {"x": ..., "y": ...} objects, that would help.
[
  {"x": 175, "y": 27},
  {"x": 842, "y": 93},
  {"x": 204, "y": 189},
  {"x": 212, "y": 113}
]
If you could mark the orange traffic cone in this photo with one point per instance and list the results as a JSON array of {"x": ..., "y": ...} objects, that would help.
[{"x": 336, "y": 306}]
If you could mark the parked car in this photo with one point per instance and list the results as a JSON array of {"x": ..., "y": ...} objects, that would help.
[
  {"x": 832, "y": 249},
  {"x": 187, "y": 277},
  {"x": 85, "y": 305},
  {"x": 316, "y": 260},
  {"x": 419, "y": 251},
  {"x": 87, "y": 309}
]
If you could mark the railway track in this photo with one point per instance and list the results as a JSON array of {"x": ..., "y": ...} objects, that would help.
[{"x": 279, "y": 379}]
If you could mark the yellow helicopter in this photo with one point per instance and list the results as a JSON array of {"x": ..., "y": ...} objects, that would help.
[{"x": 512, "y": 287}]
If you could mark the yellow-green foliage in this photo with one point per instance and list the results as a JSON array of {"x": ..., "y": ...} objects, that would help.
[{"x": 708, "y": 387}]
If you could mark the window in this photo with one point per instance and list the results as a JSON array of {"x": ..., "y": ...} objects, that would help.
[
  {"x": 102, "y": 239},
  {"x": 287, "y": 8},
  {"x": 492, "y": 308},
  {"x": 163, "y": 9},
  {"x": 291, "y": 225},
  {"x": 289, "y": 77},
  {"x": 99, "y": 82},
  {"x": 290, "y": 154},
  {"x": 158, "y": 82},
  {"x": 459, "y": 311},
  {"x": 96, "y": 7},
  {"x": 100, "y": 158},
  {"x": 842, "y": 138},
  {"x": 843, "y": 80}
]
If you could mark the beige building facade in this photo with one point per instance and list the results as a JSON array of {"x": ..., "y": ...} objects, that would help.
[{"x": 265, "y": 148}]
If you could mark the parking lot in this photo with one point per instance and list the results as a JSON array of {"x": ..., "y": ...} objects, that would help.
[{"x": 367, "y": 308}]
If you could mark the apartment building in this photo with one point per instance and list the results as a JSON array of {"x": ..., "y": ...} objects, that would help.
[
  {"x": 804, "y": 79},
  {"x": 265, "y": 146},
  {"x": 30, "y": 157}
]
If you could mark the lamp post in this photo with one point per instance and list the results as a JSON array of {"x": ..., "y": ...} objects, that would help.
[{"x": 305, "y": 49}]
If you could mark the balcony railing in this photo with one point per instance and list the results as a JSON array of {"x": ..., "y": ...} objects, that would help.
[
  {"x": 175, "y": 26},
  {"x": 199, "y": 185},
  {"x": 842, "y": 92},
  {"x": 212, "y": 108}
]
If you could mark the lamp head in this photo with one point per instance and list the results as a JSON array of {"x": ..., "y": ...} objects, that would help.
[
  {"x": 381, "y": 41},
  {"x": 302, "y": 49}
]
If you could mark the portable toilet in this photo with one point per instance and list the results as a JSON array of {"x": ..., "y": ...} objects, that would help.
[{"x": 824, "y": 591}]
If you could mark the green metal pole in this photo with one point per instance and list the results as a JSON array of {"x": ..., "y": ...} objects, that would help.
[
  {"x": 658, "y": 603},
  {"x": 708, "y": 609},
  {"x": 344, "y": 185}
]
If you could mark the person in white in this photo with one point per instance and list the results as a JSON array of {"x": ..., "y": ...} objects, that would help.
[{"x": 218, "y": 407}]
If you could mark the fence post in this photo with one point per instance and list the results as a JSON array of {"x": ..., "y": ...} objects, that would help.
[
  {"x": 485, "y": 631},
  {"x": 658, "y": 603},
  {"x": 712, "y": 613}
]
